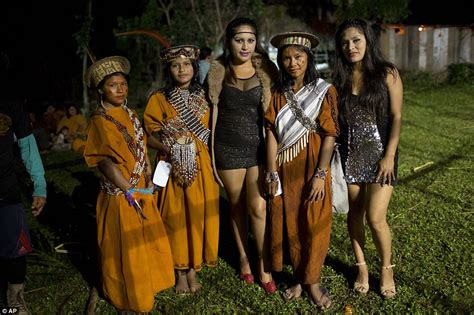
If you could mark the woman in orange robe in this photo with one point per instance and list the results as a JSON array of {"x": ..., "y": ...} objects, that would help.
[
  {"x": 77, "y": 125},
  {"x": 302, "y": 126},
  {"x": 134, "y": 253},
  {"x": 189, "y": 203}
]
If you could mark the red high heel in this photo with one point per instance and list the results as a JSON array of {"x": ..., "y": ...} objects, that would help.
[
  {"x": 247, "y": 277},
  {"x": 269, "y": 287}
]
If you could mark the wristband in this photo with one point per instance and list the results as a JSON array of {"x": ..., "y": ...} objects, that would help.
[
  {"x": 129, "y": 197},
  {"x": 271, "y": 177},
  {"x": 143, "y": 191},
  {"x": 321, "y": 173}
]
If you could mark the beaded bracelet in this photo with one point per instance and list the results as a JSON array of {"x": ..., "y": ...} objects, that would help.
[
  {"x": 129, "y": 196},
  {"x": 321, "y": 173},
  {"x": 271, "y": 177},
  {"x": 143, "y": 191}
]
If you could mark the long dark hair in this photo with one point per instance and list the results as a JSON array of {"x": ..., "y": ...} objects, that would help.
[
  {"x": 374, "y": 92},
  {"x": 311, "y": 74},
  {"x": 230, "y": 32},
  {"x": 169, "y": 82}
]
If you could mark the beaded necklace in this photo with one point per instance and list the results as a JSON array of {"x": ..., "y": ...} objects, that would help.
[{"x": 136, "y": 147}]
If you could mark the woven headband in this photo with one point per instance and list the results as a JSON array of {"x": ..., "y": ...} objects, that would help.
[
  {"x": 104, "y": 67},
  {"x": 183, "y": 51}
]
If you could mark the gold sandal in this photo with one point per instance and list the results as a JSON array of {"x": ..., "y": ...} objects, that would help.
[
  {"x": 389, "y": 291},
  {"x": 361, "y": 288}
]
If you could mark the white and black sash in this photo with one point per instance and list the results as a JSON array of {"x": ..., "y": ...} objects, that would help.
[{"x": 297, "y": 118}]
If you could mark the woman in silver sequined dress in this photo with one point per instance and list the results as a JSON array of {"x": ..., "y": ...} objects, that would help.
[
  {"x": 370, "y": 97},
  {"x": 239, "y": 84}
]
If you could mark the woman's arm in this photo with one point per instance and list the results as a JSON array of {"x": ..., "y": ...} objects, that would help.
[
  {"x": 148, "y": 173},
  {"x": 316, "y": 191},
  {"x": 156, "y": 144},
  {"x": 112, "y": 173},
  {"x": 272, "y": 146},
  {"x": 395, "y": 89}
]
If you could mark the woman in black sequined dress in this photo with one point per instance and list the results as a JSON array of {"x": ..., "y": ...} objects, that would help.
[
  {"x": 239, "y": 84},
  {"x": 370, "y": 97}
]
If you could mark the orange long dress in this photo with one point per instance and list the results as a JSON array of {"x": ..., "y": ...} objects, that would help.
[
  {"x": 191, "y": 214},
  {"x": 134, "y": 254},
  {"x": 308, "y": 224}
]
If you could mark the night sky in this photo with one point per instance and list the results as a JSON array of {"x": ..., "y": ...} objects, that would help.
[{"x": 41, "y": 50}]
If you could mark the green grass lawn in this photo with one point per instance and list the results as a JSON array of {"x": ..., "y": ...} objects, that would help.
[{"x": 431, "y": 216}]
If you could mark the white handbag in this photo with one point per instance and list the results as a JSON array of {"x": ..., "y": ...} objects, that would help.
[{"x": 340, "y": 195}]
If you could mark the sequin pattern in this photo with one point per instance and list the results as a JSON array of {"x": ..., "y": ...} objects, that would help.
[
  {"x": 365, "y": 147},
  {"x": 239, "y": 133}
]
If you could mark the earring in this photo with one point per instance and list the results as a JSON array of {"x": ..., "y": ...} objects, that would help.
[
  {"x": 125, "y": 103},
  {"x": 102, "y": 104}
]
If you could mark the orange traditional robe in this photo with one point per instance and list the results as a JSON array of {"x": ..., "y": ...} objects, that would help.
[
  {"x": 134, "y": 254},
  {"x": 191, "y": 214},
  {"x": 77, "y": 125},
  {"x": 308, "y": 224}
]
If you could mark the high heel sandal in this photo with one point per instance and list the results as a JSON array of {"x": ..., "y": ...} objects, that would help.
[
  {"x": 269, "y": 287},
  {"x": 389, "y": 291},
  {"x": 361, "y": 288},
  {"x": 247, "y": 277}
]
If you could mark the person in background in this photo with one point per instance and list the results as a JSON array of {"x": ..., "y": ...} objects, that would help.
[
  {"x": 239, "y": 86},
  {"x": 60, "y": 142},
  {"x": 77, "y": 125},
  {"x": 370, "y": 98},
  {"x": 51, "y": 118},
  {"x": 15, "y": 242},
  {"x": 301, "y": 131},
  {"x": 204, "y": 63},
  {"x": 134, "y": 252},
  {"x": 38, "y": 128},
  {"x": 178, "y": 116}
]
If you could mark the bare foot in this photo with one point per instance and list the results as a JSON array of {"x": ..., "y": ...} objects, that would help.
[
  {"x": 293, "y": 292},
  {"x": 193, "y": 281},
  {"x": 320, "y": 296},
  {"x": 181, "y": 286}
]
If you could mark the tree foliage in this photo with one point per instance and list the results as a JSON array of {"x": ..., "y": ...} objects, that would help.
[
  {"x": 380, "y": 11},
  {"x": 197, "y": 22}
]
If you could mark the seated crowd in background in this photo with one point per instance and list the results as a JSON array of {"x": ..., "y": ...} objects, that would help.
[{"x": 58, "y": 130}]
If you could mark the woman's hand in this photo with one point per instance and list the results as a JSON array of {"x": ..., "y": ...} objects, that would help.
[
  {"x": 166, "y": 150},
  {"x": 271, "y": 188},
  {"x": 149, "y": 181},
  {"x": 37, "y": 205},
  {"x": 386, "y": 174},
  {"x": 316, "y": 189}
]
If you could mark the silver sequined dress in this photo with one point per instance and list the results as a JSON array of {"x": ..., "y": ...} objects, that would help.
[{"x": 362, "y": 144}]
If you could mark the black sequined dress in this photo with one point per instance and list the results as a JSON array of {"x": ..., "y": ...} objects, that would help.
[
  {"x": 362, "y": 143},
  {"x": 239, "y": 141}
]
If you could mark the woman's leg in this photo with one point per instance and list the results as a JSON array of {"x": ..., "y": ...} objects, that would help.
[
  {"x": 377, "y": 207},
  {"x": 258, "y": 212},
  {"x": 233, "y": 181},
  {"x": 356, "y": 227}
]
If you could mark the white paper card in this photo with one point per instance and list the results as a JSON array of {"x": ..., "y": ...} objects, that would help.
[
  {"x": 162, "y": 173},
  {"x": 279, "y": 189}
]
